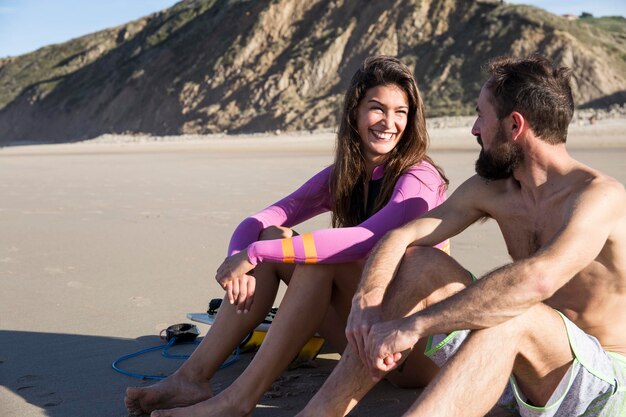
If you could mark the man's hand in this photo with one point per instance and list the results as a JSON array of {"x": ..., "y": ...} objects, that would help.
[
  {"x": 364, "y": 313},
  {"x": 233, "y": 277},
  {"x": 385, "y": 344}
]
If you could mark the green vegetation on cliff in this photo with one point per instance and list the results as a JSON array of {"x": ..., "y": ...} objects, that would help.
[{"x": 207, "y": 66}]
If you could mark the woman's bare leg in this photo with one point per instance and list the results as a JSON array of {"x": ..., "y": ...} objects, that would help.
[
  {"x": 301, "y": 314},
  {"x": 191, "y": 382}
]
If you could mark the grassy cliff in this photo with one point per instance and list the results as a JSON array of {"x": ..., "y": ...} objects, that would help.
[{"x": 206, "y": 66}]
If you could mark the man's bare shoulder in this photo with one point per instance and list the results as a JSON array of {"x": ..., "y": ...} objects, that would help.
[
  {"x": 483, "y": 194},
  {"x": 600, "y": 199},
  {"x": 611, "y": 183},
  {"x": 596, "y": 184},
  {"x": 479, "y": 185}
]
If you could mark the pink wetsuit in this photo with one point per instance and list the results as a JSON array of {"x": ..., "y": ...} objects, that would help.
[{"x": 416, "y": 191}]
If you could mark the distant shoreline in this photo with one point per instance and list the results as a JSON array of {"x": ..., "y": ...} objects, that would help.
[{"x": 453, "y": 133}]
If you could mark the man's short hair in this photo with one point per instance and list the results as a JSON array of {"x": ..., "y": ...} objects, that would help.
[{"x": 535, "y": 88}]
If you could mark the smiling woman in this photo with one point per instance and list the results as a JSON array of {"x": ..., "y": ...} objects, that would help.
[
  {"x": 382, "y": 119},
  {"x": 381, "y": 178}
]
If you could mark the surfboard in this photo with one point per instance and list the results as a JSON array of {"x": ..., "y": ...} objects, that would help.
[
  {"x": 253, "y": 341},
  {"x": 209, "y": 318}
]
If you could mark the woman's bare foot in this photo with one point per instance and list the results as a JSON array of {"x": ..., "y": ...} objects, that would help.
[
  {"x": 174, "y": 391},
  {"x": 218, "y": 406}
]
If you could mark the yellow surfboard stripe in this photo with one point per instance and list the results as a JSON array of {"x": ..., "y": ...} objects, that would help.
[
  {"x": 288, "y": 252},
  {"x": 310, "y": 252}
]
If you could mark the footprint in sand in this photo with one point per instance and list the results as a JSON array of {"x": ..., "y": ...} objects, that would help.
[
  {"x": 29, "y": 384},
  {"x": 53, "y": 403},
  {"x": 140, "y": 301},
  {"x": 28, "y": 378},
  {"x": 54, "y": 270},
  {"x": 149, "y": 215},
  {"x": 292, "y": 385}
]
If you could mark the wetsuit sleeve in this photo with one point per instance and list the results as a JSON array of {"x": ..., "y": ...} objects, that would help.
[
  {"x": 311, "y": 199},
  {"x": 416, "y": 192}
]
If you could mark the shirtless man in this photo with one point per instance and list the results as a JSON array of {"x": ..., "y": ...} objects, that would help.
[{"x": 547, "y": 332}]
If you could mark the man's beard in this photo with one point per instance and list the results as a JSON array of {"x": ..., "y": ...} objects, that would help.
[{"x": 501, "y": 160}]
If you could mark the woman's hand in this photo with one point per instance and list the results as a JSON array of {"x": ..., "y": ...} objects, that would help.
[
  {"x": 233, "y": 276},
  {"x": 364, "y": 314}
]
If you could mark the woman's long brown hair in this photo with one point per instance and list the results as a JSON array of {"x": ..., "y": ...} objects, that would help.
[{"x": 348, "y": 173}]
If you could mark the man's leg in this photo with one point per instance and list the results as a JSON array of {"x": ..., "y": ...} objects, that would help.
[
  {"x": 534, "y": 346},
  {"x": 190, "y": 384},
  {"x": 425, "y": 276},
  {"x": 301, "y": 313}
]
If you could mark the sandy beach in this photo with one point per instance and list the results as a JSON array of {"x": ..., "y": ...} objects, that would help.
[{"x": 105, "y": 243}]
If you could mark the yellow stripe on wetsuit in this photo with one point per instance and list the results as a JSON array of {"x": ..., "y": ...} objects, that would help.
[
  {"x": 288, "y": 252},
  {"x": 310, "y": 252}
]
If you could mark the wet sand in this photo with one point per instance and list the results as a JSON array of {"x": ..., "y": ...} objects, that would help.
[{"x": 104, "y": 244}]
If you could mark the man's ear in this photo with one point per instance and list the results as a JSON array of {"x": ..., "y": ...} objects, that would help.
[{"x": 518, "y": 124}]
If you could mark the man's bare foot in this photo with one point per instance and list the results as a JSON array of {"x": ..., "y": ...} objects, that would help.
[
  {"x": 218, "y": 406},
  {"x": 174, "y": 391}
]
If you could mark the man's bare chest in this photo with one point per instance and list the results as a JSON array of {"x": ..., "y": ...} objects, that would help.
[{"x": 526, "y": 230}]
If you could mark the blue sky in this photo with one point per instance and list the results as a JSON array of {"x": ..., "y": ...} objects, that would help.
[
  {"x": 26, "y": 25},
  {"x": 596, "y": 7}
]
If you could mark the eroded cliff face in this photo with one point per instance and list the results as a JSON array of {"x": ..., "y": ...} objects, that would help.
[{"x": 209, "y": 66}]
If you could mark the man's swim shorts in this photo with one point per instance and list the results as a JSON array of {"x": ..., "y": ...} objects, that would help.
[{"x": 595, "y": 384}]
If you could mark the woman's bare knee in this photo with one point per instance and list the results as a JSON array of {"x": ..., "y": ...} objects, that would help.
[{"x": 278, "y": 270}]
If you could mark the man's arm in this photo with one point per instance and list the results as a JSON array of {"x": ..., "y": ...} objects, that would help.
[
  {"x": 439, "y": 224},
  {"x": 443, "y": 222},
  {"x": 512, "y": 289}
]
